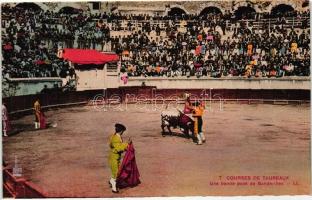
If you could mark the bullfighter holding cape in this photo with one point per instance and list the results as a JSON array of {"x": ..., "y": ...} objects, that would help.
[
  {"x": 37, "y": 109},
  {"x": 128, "y": 174},
  {"x": 40, "y": 118}
]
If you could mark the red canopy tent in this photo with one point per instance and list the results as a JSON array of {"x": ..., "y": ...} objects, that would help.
[{"x": 88, "y": 56}]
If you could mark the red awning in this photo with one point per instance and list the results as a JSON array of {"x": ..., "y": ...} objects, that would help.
[{"x": 88, "y": 56}]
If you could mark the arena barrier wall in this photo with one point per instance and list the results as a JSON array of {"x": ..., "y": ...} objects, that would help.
[
  {"x": 19, "y": 187},
  {"x": 23, "y": 104}
]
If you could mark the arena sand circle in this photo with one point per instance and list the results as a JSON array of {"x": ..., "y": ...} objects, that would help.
[{"x": 70, "y": 160}]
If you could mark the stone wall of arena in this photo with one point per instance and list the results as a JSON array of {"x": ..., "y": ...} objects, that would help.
[
  {"x": 28, "y": 86},
  {"x": 300, "y": 83},
  {"x": 163, "y": 7},
  {"x": 33, "y": 86}
]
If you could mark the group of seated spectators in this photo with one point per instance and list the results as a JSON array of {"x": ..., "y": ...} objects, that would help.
[
  {"x": 29, "y": 46},
  {"x": 198, "y": 46},
  {"x": 202, "y": 51}
]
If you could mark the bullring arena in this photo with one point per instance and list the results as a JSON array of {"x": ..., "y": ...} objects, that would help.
[
  {"x": 92, "y": 65},
  {"x": 69, "y": 159}
]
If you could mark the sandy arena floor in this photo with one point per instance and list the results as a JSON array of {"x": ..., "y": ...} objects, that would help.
[{"x": 70, "y": 160}]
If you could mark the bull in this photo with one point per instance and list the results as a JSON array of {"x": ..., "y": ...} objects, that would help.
[{"x": 177, "y": 119}]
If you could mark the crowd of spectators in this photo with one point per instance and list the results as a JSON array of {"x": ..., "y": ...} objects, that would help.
[
  {"x": 186, "y": 45},
  {"x": 31, "y": 40},
  {"x": 265, "y": 54},
  {"x": 201, "y": 50}
]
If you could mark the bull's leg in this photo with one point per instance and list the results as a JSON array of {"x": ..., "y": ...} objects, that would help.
[
  {"x": 191, "y": 128},
  {"x": 186, "y": 132},
  {"x": 170, "y": 132},
  {"x": 163, "y": 130}
]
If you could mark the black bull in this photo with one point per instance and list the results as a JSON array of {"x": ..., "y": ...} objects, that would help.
[{"x": 177, "y": 120}]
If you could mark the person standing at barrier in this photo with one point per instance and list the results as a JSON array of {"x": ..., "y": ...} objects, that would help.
[
  {"x": 117, "y": 147},
  {"x": 187, "y": 111},
  {"x": 200, "y": 125},
  {"x": 5, "y": 121},
  {"x": 37, "y": 110},
  {"x": 198, "y": 112},
  {"x": 187, "y": 106}
]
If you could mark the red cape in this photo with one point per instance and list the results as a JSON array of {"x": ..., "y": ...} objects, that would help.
[
  {"x": 128, "y": 175},
  {"x": 42, "y": 121}
]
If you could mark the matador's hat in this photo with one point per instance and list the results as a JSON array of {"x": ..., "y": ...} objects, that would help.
[{"x": 119, "y": 128}]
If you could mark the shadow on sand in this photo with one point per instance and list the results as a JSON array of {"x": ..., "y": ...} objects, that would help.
[
  {"x": 19, "y": 128},
  {"x": 178, "y": 134}
]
